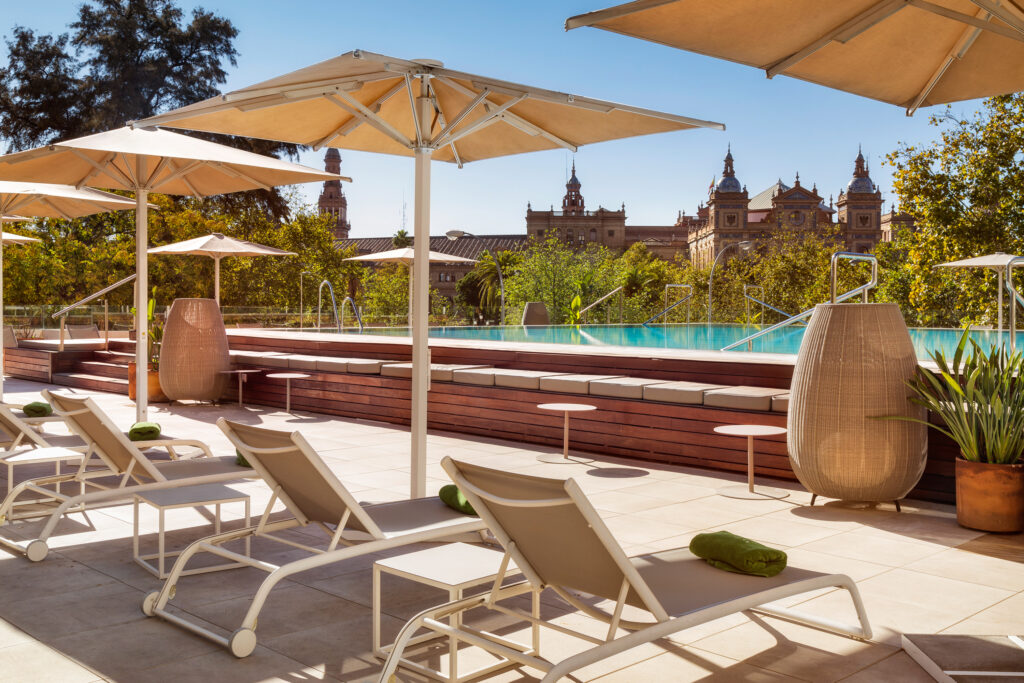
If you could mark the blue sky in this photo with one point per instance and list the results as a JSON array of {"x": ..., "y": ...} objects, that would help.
[{"x": 776, "y": 128}]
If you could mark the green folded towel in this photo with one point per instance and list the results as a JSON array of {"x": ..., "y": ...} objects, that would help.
[
  {"x": 240, "y": 459},
  {"x": 453, "y": 498},
  {"x": 37, "y": 409},
  {"x": 144, "y": 431},
  {"x": 733, "y": 553}
]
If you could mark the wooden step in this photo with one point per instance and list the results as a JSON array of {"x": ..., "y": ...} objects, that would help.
[
  {"x": 102, "y": 369},
  {"x": 117, "y": 357},
  {"x": 84, "y": 380}
]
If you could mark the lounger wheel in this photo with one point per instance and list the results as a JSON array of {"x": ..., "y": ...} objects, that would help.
[
  {"x": 242, "y": 642},
  {"x": 37, "y": 551},
  {"x": 149, "y": 603}
]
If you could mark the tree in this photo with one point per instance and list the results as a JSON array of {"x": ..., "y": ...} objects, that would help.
[
  {"x": 966, "y": 192},
  {"x": 480, "y": 288},
  {"x": 401, "y": 239},
  {"x": 123, "y": 60}
]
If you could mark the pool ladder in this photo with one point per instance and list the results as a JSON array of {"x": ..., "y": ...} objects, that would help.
[
  {"x": 338, "y": 319},
  {"x": 862, "y": 290},
  {"x": 667, "y": 309}
]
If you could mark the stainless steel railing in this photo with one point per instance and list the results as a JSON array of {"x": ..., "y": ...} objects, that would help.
[
  {"x": 355, "y": 310},
  {"x": 764, "y": 304},
  {"x": 334, "y": 303},
  {"x": 667, "y": 309},
  {"x": 63, "y": 313},
  {"x": 862, "y": 290},
  {"x": 1017, "y": 299},
  {"x": 608, "y": 312}
]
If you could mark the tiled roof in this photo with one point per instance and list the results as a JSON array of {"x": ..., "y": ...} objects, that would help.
[
  {"x": 762, "y": 201},
  {"x": 466, "y": 247}
]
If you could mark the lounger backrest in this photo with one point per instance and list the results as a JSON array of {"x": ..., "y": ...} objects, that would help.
[
  {"x": 556, "y": 531},
  {"x": 15, "y": 426},
  {"x": 82, "y": 331},
  {"x": 304, "y": 483},
  {"x": 85, "y": 418}
]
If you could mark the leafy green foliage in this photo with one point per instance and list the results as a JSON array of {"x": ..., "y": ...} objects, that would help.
[
  {"x": 977, "y": 397},
  {"x": 401, "y": 239}
]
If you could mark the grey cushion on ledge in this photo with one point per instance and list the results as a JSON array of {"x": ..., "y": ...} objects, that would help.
[
  {"x": 272, "y": 359},
  {"x": 780, "y": 403},
  {"x": 622, "y": 387},
  {"x": 298, "y": 361},
  {"x": 743, "y": 398},
  {"x": 571, "y": 384},
  {"x": 483, "y": 377},
  {"x": 439, "y": 372},
  {"x": 522, "y": 379},
  {"x": 679, "y": 392}
]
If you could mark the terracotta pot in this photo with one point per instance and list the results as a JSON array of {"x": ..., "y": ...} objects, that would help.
[
  {"x": 990, "y": 497},
  {"x": 156, "y": 394}
]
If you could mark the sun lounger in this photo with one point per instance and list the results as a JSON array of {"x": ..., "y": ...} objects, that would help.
[
  {"x": 119, "y": 470},
  {"x": 24, "y": 445},
  {"x": 314, "y": 499},
  {"x": 557, "y": 540}
]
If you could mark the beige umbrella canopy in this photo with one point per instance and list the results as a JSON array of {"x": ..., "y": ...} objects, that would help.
[
  {"x": 46, "y": 200},
  {"x": 217, "y": 246},
  {"x": 148, "y": 160},
  {"x": 375, "y": 103},
  {"x": 407, "y": 256},
  {"x": 944, "y": 51},
  {"x": 997, "y": 262}
]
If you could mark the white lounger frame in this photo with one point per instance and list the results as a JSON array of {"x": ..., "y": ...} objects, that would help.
[
  {"x": 242, "y": 641},
  {"x": 640, "y": 632},
  {"x": 128, "y": 482}
]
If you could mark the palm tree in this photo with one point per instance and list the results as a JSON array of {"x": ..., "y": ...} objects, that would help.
[{"x": 401, "y": 239}]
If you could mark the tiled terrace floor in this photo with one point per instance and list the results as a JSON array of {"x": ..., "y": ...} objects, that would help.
[{"x": 75, "y": 616}]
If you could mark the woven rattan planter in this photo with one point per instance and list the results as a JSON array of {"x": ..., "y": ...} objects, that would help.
[
  {"x": 194, "y": 351},
  {"x": 853, "y": 365}
]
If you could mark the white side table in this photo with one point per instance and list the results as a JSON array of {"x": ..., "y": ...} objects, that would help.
[
  {"x": 288, "y": 377},
  {"x": 243, "y": 377},
  {"x": 749, "y": 491},
  {"x": 185, "y": 497},
  {"x": 564, "y": 408},
  {"x": 453, "y": 567}
]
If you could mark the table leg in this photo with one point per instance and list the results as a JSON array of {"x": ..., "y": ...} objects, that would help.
[
  {"x": 241, "y": 377},
  {"x": 288, "y": 395},
  {"x": 750, "y": 464},
  {"x": 453, "y": 642},
  {"x": 375, "y": 609},
  {"x": 565, "y": 437}
]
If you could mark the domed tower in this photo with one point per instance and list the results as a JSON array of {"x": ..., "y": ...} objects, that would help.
[
  {"x": 332, "y": 199},
  {"x": 728, "y": 205},
  {"x": 860, "y": 209},
  {"x": 728, "y": 182},
  {"x": 572, "y": 202}
]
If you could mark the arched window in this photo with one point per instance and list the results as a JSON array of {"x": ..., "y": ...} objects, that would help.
[{"x": 593, "y": 235}]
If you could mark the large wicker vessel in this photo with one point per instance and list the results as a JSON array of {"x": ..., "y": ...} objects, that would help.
[
  {"x": 853, "y": 365},
  {"x": 194, "y": 351}
]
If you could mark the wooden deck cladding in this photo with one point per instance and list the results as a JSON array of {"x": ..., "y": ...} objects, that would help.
[{"x": 33, "y": 364}]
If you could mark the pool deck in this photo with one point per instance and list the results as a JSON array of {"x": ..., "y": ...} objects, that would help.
[{"x": 75, "y": 617}]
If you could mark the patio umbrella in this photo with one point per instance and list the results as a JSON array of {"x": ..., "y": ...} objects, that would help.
[
  {"x": 407, "y": 256},
  {"x": 371, "y": 102},
  {"x": 46, "y": 200},
  {"x": 997, "y": 262},
  {"x": 217, "y": 246},
  {"x": 148, "y": 160},
  {"x": 949, "y": 51}
]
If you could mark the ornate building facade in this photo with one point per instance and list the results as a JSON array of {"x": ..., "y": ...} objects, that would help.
[
  {"x": 332, "y": 199},
  {"x": 731, "y": 215}
]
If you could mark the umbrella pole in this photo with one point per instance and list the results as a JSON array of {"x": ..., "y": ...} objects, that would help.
[
  {"x": 420, "y": 351},
  {"x": 1, "y": 319},
  {"x": 216, "y": 279},
  {"x": 1000, "y": 327},
  {"x": 141, "y": 300},
  {"x": 412, "y": 297}
]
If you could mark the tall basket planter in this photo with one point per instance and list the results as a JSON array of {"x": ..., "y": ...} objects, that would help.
[
  {"x": 194, "y": 351},
  {"x": 852, "y": 368}
]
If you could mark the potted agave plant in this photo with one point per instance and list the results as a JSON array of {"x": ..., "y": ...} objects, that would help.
[{"x": 979, "y": 404}]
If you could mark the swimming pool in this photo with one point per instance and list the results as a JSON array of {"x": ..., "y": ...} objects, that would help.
[{"x": 694, "y": 336}]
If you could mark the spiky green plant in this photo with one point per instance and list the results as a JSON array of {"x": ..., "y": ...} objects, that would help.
[{"x": 977, "y": 398}]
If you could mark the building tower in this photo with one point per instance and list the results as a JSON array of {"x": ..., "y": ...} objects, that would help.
[
  {"x": 572, "y": 202},
  {"x": 727, "y": 215},
  {"x": 860, "y": 209},
  {"x": 332, "y": 199}
]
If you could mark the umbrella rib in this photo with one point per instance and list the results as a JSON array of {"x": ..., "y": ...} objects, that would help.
[
  {"x": 493, "y": 114},
  {"x": 959, "y": 49},
  {"x": 846, "y": 31},
  {"x": 106, "y": 168},
  {"x": 514, "y": 119},
  {"x": 444, "y": 125},
  {"x": 1014, "y": 33},
  {"x": 354, "y": 122},
  {"x": 356, "y": 108},
  {"x": 178, "y": 172},
  {"x": 446, "y": 129},
  {"x": 150, "y": 181},
  {"x": 598, "y": 16},
  {"x": 94, "y": 172},
  {"x": 235, "y": 173},
  {"x": 49, "y": 202},
  {"x": 415, "y": 113},
  {"x": 1003, "y": 13}
]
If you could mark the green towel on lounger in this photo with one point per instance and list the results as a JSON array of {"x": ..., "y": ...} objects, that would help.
[
  {"x": 733, "y": 553},
  {"x": 453, "y": 498},
  {"x": 144, "y": 431},
  {"x": 240, "y": 459},
  {"x": 37, "y": 409}
]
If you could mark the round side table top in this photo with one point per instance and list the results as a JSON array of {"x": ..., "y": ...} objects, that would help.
[
  {"x": 567, "y": 407},
  {"x": 750, "y": 430},
  {"x": 244, "y": 371},
  {"x": 287, "y": 375}
]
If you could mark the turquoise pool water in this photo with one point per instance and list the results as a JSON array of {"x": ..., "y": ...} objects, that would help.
[{"x": 694, "y": 336}]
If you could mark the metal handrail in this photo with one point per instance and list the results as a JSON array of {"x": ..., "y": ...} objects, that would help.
[
  {"x": 355, "y": 310},
  {"x": 763, "y": 304},
  {"x": 1013, "y": 263},
  {"x": 668, "y": 308},
  {"x": 861, "y": 290},
  {"x": 334, "y": 303},
  {"x": 617, "y": 290},
  {"x": 63, "y": 313}
]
